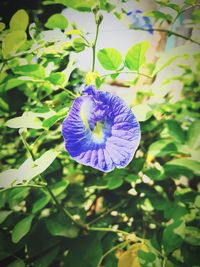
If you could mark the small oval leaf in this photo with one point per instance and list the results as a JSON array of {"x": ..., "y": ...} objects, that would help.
[
  {"x": 135, "y": 56},
  {"x": 57, "y": 21},
  {"x": 12, "y": 42},
  {"x": 19, "y": 21},
  {"x": 22, "y": 228},
  {"x": 109, "y": 58}
]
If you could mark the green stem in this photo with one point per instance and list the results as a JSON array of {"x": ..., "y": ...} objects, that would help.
[
  {"x": 68, "y": 92},
  {"x": 60, "y": 207},
  {"x": 184, "y": 10},
  {"x": 25, "y": 52},
  {"x": 2, "y": 66},
  {"x": 110, "y": 251},
  {"x": 24, "y": 185},
  {"x": 164, "y": 262},
  {"x": 51, "y": 194},
  {"x": 28, "y": 149},
  {"x": 85, "y": 39},
  {"x": 94, "y": 47},
  {"x": 169, "y": 32},
  {"x": 127, "y": 72},
  {"x": 102, "y": 229},
  {"x": 106, "y": 213}
]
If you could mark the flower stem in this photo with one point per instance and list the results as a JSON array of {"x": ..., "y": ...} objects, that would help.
[
  {"x": 110, "y": 251},
  {"x": 28, "y": 149},
  {"x": 24, "y": 186},
  {"x": 59, "y": 206},
  {"x": 106, "y": 213},
  {"x": 94, "y": 45},
  {"x": 104, "y": 229},
  {"x": 46, "y": 186},
  {"x": 69, "y": 92},
  {"x": 2, "y": 66},
  {"x": 128, "y": 72}
]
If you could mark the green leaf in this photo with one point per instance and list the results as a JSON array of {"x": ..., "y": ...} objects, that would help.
[
  {"x": 173, "y": 130},
  {"x": 174, "y": 211},
  {"x": 59, "y": 187},
  {"x": 16, "y": 263},
  {"x": 60, "y": 225},
  {"x": 78, "y": 44},
  {"x": 170, "y": 5},
  {"x": 162, "y": 148},
  {"x": 109, "y": 58},
  {"x": 53, "y": 119},
  {"x": 81, "y": 5},
  {"x": 90, "y": 251},
  {"x": 4, "y": 214},
  {"x": 190, "y": 2},
  {"x": 159, "y": 15},
  {"x": 40, "y": 203},
  {"x": 173, "y": 236},
  {"x": 11, "y": 83},
  {"x": 46, "y": 259},
  {"x": 192, "y": 235},
  {"x": 22, "y": 228},
  {"x": 131, "y": 178},
  {"x": 142, "y": 112},
  {"x": 12, "y": 42},
  {"x": 185, "y": 163},
  {"x": 2, "y": 26},
  {"x": 155, "y": 174},
  {"x": 31, "y": 70},
  {"x": 57, "y": 21},
  {"x": 196, "y": 16},
  {"x": 27, "y": 120},
  {"x": 16, "y": 196},
  {"x": 19, "y": 21},
  {"x": 146, "y": 257},
  {"x": 193, "y": 135},
  {"x": 3, "y": 75},
  {"x": 73, "y": 32},
  {"x": 197, "y": 202},
  {"x": 114, "y": 182},
  {"x": 135, "y": 56},
  {"x": 57, "y": 78}
]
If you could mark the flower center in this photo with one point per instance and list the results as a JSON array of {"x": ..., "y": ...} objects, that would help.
[{"x": 97, "y": 133}]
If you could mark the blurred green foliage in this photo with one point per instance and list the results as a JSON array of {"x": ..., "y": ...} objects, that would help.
[{"x": 55, "y": 212}]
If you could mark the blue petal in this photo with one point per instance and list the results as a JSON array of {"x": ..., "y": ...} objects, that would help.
[{"x": 101, "y": 131}]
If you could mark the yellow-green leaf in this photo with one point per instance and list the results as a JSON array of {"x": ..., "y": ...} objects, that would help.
[
  {"x": 142, "y": 112},
  {"x": 2, "y": 26},
  {"x": 135, "y": 56},
  {"x": 12, "y": 42},
  {"x": 109, "y": 58},
  {"x": 19, "y": 21},
  {"x": 57, "y": 21},
  {"x": 17, "y": 263},
  {"x": 130, "y": 257}
]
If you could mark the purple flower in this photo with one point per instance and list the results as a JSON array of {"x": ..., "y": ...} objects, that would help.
[
  {"x": 101, "y": 131},
  {"x": 140, "y": 21}
]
